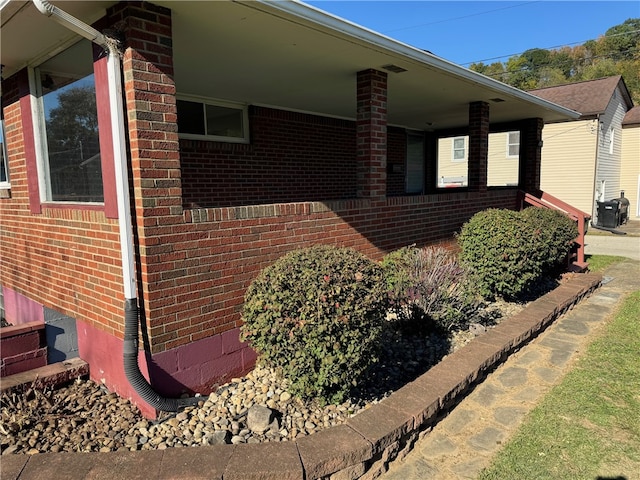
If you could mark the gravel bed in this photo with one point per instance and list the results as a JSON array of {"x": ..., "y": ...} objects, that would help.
[{"x": 85, "y": 417}]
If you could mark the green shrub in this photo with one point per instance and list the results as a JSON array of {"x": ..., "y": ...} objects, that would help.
[
  {"x": 316, "y": 315},
  {"x": 497, "y": 250},
  {"x": 507, "y": 252},
  {"x": 427, "y": 287},
  {"x": 553, "y": 234}
]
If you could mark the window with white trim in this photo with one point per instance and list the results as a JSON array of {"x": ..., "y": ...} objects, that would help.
[
  {"x": 452, "y": 169},
  {"x": 4, "y": 160},
  {"x": 503, "y": 166},
  {"x": 212, "y": 120},
  {"x": 612, "y": 133},
  {"x": 459, "y": 149},
  {"x": 66, "y": 119},
  {"x": 513, "y": 144}
]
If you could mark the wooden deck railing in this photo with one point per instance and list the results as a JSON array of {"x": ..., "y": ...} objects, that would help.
[{"x": 543, "y": 199}]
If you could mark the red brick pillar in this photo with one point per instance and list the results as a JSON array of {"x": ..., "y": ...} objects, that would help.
[
  {"x": 155, "y": 159},
  {"x": 530, "y": 154},
  {"x": 371, "y": 128},
  {"x": 478, "y": 145},
  {"x": 151, "y": 109}
]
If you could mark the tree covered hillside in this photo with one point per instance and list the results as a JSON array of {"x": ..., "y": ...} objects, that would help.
[{"x": 617, "y": 52}]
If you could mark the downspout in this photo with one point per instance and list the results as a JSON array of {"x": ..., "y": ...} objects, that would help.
[
  {"x": 594, "y": 205},
  {"x": 131, "y": 313}
]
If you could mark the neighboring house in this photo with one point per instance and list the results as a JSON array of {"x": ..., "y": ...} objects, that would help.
[
  {"x": 502, "y": 160},
  {"x": 241, "y": 131},
  {"x": 630, "y": 166},
  {"x": 595, "y": 157}
]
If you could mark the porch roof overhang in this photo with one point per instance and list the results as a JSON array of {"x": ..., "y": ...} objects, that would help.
[{"x": 290, "y": 55}]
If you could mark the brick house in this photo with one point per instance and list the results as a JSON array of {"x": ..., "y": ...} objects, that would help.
[{"x": 242, "y": 130}]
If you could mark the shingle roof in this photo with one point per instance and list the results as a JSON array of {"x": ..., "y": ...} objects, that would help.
[
  {"x": 632, "y": 117},
  {"x": 588, "y": 98}
]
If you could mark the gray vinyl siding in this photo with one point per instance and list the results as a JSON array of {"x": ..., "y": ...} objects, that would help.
[{"x": 608, "y": 164}]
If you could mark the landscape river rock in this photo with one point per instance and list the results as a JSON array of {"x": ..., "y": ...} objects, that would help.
[{"x": 85, "y": 417}]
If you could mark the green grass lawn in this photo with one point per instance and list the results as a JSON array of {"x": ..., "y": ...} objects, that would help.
[
  {"x": 588, "y": 427},
  {"x": 598, "y": 263}
]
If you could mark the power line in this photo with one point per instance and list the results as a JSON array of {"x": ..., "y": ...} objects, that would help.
[
  {"x": 553, "y": 48},
  {"x": 538, "y": 67},
  {"x": 496, "y": 10},
  {"x": 460, "y": 18}
]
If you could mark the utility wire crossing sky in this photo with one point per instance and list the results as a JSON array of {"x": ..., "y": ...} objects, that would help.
[{"x": 464, "y": 32}]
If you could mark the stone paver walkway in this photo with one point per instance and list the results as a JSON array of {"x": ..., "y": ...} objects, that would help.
[{"x": 464, "y": 442}]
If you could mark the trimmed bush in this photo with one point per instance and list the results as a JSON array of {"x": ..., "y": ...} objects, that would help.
[
  {"x": 427, "y": 288},
  {"x": 496, "y": 249},
  {"x": 507, "y": 252},
  {"x": 554, "y": 234},
  {"x": 316, "y": 315}
]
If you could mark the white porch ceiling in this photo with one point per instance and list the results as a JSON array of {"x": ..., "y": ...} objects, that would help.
[{"x": 292, "y": 56}]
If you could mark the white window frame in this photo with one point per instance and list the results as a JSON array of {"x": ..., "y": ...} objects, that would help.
[
  {"x": 39, "y": 136},
  {"x": 3, "y": 151},
  {"x": 39, "y": 133},
  {"x": 509, "y": 144},
  {"x": 464, "y": 150},
  {"x": 218, "y": 103},
  {"x": 612, "y": 135}
]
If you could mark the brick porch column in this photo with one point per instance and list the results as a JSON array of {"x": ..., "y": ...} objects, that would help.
[
  {"x": 155, "y": 159},
  {"x": 371, "y": 134},
  {"x": 478, "y": 145},
  {"x": 530, "y": 154},
  {"x": 151, "y": 107}
]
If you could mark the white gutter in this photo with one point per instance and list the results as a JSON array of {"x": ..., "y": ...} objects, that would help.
[
  {"x": 117, "y": 132},
  {"x": 596, "y": 168},
  {"x": 309, "y": 13}
]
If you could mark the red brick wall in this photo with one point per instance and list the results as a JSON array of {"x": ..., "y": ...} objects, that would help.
[
  {"x": 151, "y": 108},
  {"x": 212, "y": 257},
  {"x": 63, "y": 257},
  {"x": 292, "y": 157},
  {"x": 396, "y": 160}
]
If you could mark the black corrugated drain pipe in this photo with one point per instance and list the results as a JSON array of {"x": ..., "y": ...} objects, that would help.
[{"x": 132, "y": 369}]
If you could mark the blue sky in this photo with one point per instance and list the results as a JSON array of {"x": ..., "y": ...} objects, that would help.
[{"x": 468, "y": 31}]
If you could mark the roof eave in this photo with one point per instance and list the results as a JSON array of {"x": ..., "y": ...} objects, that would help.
[
  {"x": 345, "y": 27},
  {"x": 625, "y": 93}
]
